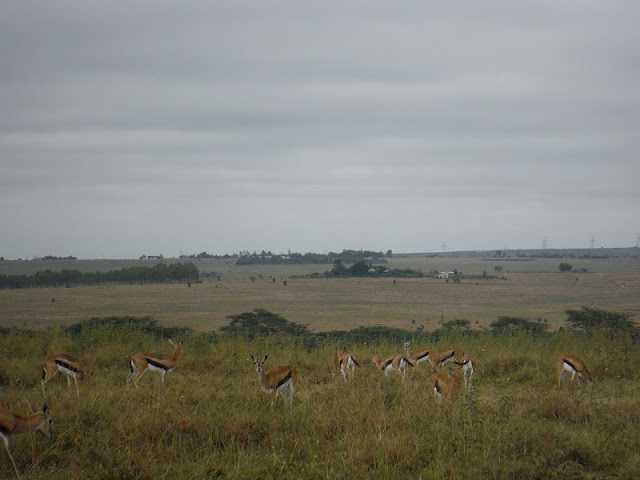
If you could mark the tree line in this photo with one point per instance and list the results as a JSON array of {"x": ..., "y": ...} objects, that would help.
[
  {"x": 263, "y": 323},
  {"x": 161, "y": 273},
  {"x": 269, "y": 258}
]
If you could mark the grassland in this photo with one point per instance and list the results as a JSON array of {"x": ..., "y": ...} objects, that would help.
[
  {"x": 211, "y": 420},
  {"x": 533, "y": 289}
]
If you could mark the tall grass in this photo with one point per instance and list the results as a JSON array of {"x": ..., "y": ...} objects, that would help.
[{"x": 211, "y": 419}]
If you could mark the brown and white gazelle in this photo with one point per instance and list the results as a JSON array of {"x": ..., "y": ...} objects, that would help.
[
  {"x": 418, "y": 356},
  {"x": 441, "y": 358},
  {"x": 67, "y": 366},
  {"x": 397, "y": 363},
  {"x": 335, "y": 359},
  {"x": 573, "y": 365},
  {"x": 279, "y": 380},
  {"x": 154, "y": 362},
  {"x": 12, "y": 424},
  {"x": 467, "y": 371},
  {"x": 348, "y": 364},
  {"x": 445, "y": 385}
]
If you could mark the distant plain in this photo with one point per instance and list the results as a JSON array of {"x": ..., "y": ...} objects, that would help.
[{"x": 533, "y": 288}]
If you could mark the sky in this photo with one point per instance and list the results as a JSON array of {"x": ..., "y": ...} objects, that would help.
[{"x": 164, "y": 127}]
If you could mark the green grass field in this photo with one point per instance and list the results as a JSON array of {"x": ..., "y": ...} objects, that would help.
[{"x": 211, "y": 419}]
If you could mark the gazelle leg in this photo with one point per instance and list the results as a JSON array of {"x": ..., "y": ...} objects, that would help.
[{"x": 6, "y": 445}]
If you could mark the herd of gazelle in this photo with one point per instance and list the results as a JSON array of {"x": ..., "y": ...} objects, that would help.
[
  {"x": 279, "y": 380},
  {"x": 73, "y": 369}
]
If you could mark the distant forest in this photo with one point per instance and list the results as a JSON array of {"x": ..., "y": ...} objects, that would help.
[
  {"x": 160, "y": 273},
  {"x": 347, "y": 256}
]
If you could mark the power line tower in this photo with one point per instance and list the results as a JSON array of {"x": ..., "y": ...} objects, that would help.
[
  {"x": 444, "y": 246},
  {"x": 593, "y": 242},
  {"x": 637, "y": 240},
  {"x": 545, "y": 243}
]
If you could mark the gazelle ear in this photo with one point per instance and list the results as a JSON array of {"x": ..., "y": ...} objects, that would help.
[
  {"x": 265, "y": 357},
  {"x": 31, "y": 409},
  {"x": 172, "y": 342},
  {"x": 251, "y": 356},
  {"x": 45, "y": 409}
]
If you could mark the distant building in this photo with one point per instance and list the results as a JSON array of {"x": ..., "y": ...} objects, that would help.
[{"x": 445, "y": 274}]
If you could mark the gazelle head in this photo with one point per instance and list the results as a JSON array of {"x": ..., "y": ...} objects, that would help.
[
  {"x": 259, "y": 362},
  {"x": 44, "y": 425}
]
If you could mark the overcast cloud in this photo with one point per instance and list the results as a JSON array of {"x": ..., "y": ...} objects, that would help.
[{"x": 130, "y": 128}]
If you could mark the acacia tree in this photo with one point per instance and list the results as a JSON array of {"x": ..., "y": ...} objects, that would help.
[
  {"x": 591, "y": 318},
  {"x": 458, "y": 324},
  {"x": 262, "y": 323},
  {"x": 506, "y": 324}
]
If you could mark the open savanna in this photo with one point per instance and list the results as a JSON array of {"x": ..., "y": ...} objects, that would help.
[
  {"x": 210, "y": 420},
  {"x": 534, "y": 289}
]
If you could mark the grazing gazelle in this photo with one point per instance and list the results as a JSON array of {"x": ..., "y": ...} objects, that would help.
[
  {"x": 573, "y": 365},
  {"x": 397, "y": 363},
  {"x": 348, "y": 364},
  {"x": 154, "y": 362},
  {"x": 12, "y": 424},
  {"x": 418, "y": 356},
  {"x": 278, "y": 380},
  {"x": 467, "y": 371},
  {"x": 66, "y": 365},
  {"x": 441, "y": 358},
  {"x": 445, "y": 385}
]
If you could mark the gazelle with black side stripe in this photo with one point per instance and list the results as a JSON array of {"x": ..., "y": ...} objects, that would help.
[
  {"x": 279, "y": 380},
  {"x": 446, "y": 385},
  {"x": 348, "y": 364},
  {"x": 154, "y": 362},
  {"x": 441, "y": 358},
  {"x": 575, "y": 366},
  {"x": 344, "y": 362},
  {"x": 396, "y": 362},
  {"x": 67, "y": 366},
  {"x": 418, "y": 356}
]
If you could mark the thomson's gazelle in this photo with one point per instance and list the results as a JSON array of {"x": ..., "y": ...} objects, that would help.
[
  {"x": 397, "y": 363},
  {"x": 12, "y": 424},
  {"x": 445, "y": 385},
  {"x": 441, "y": 358},
  {"x": 348, "y": 364},
  {"x": 67, "y": 366},
  {"x": 573, "y": 365},
  {"x": 335, "y": 359},
  {"x": 279, "y": 380},
  {"x": 154, "y": 362},
  {"x": 467, "y": 370},
  {"x": 418, "y": 356}
]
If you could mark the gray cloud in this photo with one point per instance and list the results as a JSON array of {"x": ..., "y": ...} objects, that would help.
[{"x": 165, "y": 127}]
